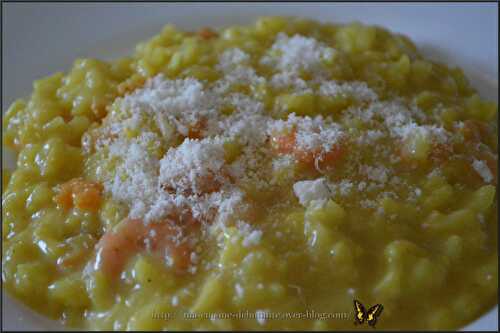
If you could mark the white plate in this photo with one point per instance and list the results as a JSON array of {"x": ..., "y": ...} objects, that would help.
[{"x": 40, "y": 39}]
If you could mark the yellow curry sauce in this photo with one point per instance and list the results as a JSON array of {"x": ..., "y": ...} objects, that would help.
[{"x": 254, "y": 177}]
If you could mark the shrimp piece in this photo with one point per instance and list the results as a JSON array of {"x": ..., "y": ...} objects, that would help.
[
  {"x": 493, "y": 166},
  {"x": 80, "y": 193},
  {"x": 475, "y": 131},
  {"x": 207, "y": 33},
  {"x": 325, "y": 158},
  {"x": 163, "y": 242},
  {"x": 116, "y": 247},
  {"x": 441, "y": 152},
  {"x": 132, "y": 236},
  {"x": 195, "y": 131},
  {"x": 286, "y": 144},
  {"x": 209, "y": 184}
]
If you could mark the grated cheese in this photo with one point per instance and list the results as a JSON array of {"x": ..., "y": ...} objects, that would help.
[
  {"x": 297, "y": 53},
  {"x": 483, "y": 170},
  {"x": 343, "y": 188},
  {"x": 312, "y": 134},
  {"x": 252, "y": 239},
  {"x": 357, "y": 90},
  {"x": 235, "y": 64},
  {"x": 193, "y": 167},
  {"x": 136, "y": 177},
  {"x": 291, "y": 80},
  {"x": 378, "y": 174},
  {"x": 309, "y": 190},
  {"x": 232, "y": 58},
  {"x": 427, "y": 132},
  {"x": 183, "y": 102}
]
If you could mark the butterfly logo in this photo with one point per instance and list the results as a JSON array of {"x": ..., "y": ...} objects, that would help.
[{"x": 371, "y": 316}]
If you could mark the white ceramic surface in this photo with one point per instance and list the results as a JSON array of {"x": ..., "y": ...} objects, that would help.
[{"x": 39, "y": 39}]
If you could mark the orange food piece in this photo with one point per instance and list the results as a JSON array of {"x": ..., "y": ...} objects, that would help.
[
  {"x": 286, "y": 144},
  {"x": 85, "y": 195},
  {"x": 493, "y": 165},
  {"x": 65, "y": 197},
  {"x": 194, "y": 133},
  {"x": 212, "y": 182},
  {"x": 207, "y": 33},
  {"x": 441, "y": 152},
  {"x": 115, "y": 248},
  {"x": 475, "y": 131},
  {"x": 88, "y": 199},
  {"x": 208, "y": 184},
  {"x": 196, "y": 130},
  {"x": 323, "y": 158},
  {"x": 133, "y": 236},
  {"x": 99, "y": 109},
  {"x": 164, "y": 240},
  {"x": 181, "y": 256}
]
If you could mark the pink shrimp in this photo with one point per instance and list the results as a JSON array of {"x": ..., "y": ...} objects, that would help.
[
  {"x": 115, "y": 248},
  {"x": 81, "y": 193},
  {"x": 286, "y": 144}
]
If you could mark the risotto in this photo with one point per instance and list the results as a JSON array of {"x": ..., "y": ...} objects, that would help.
[{"x": 254, "y": 177}]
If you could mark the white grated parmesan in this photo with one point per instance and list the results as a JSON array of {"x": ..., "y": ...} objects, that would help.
[
  {"x": 312, "y": 134},
  {"x": 193, "y": 167},
  {"x": 253, "y": 238},
  {"x": 282, "y": 162},
  {"x": 184, "y": 102},
  {"x": 136, "y": 177},
  {"x": 232, "y": 58},
  {"x": 297, "y": 53},
  {"x": 483, "y": 170},
  {"x": 290, "y": 80},
  {"x": 235, "y": 64},
  {"x": 378, "y": 174},
  {"x": 357, "y": 90},
  {"x": 370, "y": 137},
  {"x": 309, "y": 190},
  {"x": 343, "y": 187},
  {"x": 426, "y": 132}
]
